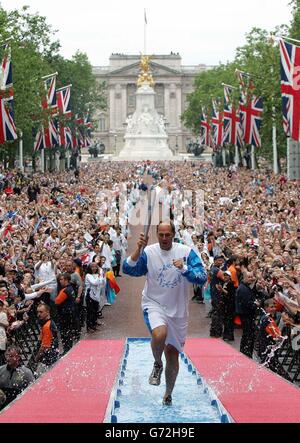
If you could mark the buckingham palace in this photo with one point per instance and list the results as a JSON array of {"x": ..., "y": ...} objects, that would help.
[{"x": 173, "y": 83}]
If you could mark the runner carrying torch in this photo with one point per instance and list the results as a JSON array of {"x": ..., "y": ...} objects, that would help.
[{"x": 169, "y": 268}]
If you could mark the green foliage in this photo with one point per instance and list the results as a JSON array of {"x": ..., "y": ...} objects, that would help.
[
  {"x": 295, "y": 25},
  {"x": 35, "y": 53},
  {"x": 208, "y": 86},
  {"x": 261, "y": 58},
  {"x": 86, "y": 93}
]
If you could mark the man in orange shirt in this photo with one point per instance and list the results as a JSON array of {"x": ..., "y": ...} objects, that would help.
[
  {"x": 65, "y": 303},
  {"x": 232, "y": 268},
  {"x": 48, "y": 352}
]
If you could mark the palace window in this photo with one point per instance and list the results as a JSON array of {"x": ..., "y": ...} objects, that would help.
[
  {"x": 131, "y": 98},
  {"x": 102, "y": 123},
  {"x": 160, "y": 98}
]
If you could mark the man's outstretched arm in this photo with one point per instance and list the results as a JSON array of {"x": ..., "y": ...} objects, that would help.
[{"x": 136, "y": 268}]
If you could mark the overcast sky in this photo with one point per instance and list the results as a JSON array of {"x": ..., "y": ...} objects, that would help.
[{"x": 201, "y": 31}]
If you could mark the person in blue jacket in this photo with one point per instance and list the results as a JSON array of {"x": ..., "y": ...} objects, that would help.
[{"x": 169, "y": 267}]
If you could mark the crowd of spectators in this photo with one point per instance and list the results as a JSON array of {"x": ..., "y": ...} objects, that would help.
[
  {"x": 250, "y": 243},
  {"x": 63, "y": 238}
]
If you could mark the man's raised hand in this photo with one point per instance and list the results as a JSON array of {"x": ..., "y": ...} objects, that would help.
[
  {"x": 143, "y": 241},
  {"x": 179, "y": 264}
]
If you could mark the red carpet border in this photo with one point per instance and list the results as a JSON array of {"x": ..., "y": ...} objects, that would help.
[
  {"x": 76, "y": 390},
  {"x": 249, "y": 392}
]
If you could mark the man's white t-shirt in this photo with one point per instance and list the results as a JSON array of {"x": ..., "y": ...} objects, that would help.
[{"x": 165, "y": 285}]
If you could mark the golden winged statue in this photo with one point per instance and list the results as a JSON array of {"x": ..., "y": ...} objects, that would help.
[{"x": 145, "y": 76}]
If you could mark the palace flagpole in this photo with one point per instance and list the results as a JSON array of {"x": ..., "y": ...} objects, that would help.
[{"x": 145, "y": 32}]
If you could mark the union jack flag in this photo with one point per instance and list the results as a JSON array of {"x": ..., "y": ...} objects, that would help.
[
  {"x": 250, "y": 114},
  {"x": 84, "y": 134},
  {"x": 8, "y": 130},
  {"x": 246, "y": 84},
  {"x": 88, "y": 142},
  {"x": 87, "y": 121},
  {"x": 232, "y": 124},
  {"x": 79, "y": 133},
  {"x": 201, "y": 138},
  {"x": 75, "y": 141},
  {"x": 63, "y": 96},
  {"x": 205, "y": 127},
  {"x": 218, "y": 124},
  {"x": 251, "y": 109},
  {"x": 290, "y": 88},
  {"x": 68, "y": 138},
  {"x": 48, "y": 135},
  {"x": 49, "y": 99},
  {"x": 39, "y": 142}
]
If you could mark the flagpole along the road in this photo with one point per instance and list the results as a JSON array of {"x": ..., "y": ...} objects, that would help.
[
  {"x": 42, "y": 160},
  {"x": 49, "y": 76},
  {"x": 253, "y": 162},
  {"x": 237, "y": 155},
  {"x": 68, "y": 158},
  {"x": 274, "y": 134},
  {"x": 223, "y": 155},
  {"x": 275, "y": 151},
  {"x": 65, "y": 87},
  {"x": 145, "y": 33},
  {"x": 21, "y": 160},
  {"x": 286, "y": 38}
]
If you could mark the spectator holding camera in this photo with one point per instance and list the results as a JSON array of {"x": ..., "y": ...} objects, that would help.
[{"x": 3, "y": 326}]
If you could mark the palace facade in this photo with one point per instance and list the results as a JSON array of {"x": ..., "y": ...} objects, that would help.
[{"x": 173, "y": 83}]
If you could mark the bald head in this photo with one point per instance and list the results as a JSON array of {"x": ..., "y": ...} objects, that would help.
[
  {"x": 248, "y": 277},
  {"x": 166, "y": 234},
  {"x": 168, "y": 223}
]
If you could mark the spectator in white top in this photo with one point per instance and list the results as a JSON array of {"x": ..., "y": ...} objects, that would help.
[
  {"x": 52, "y": 239},
  {"x": 119, "y": 245},
  {"x": 3, "y": 325},
  {"x": 46, "y": 271},
  {"x": 94, "y": 282},
  {"x": 106, "y": 252}
]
